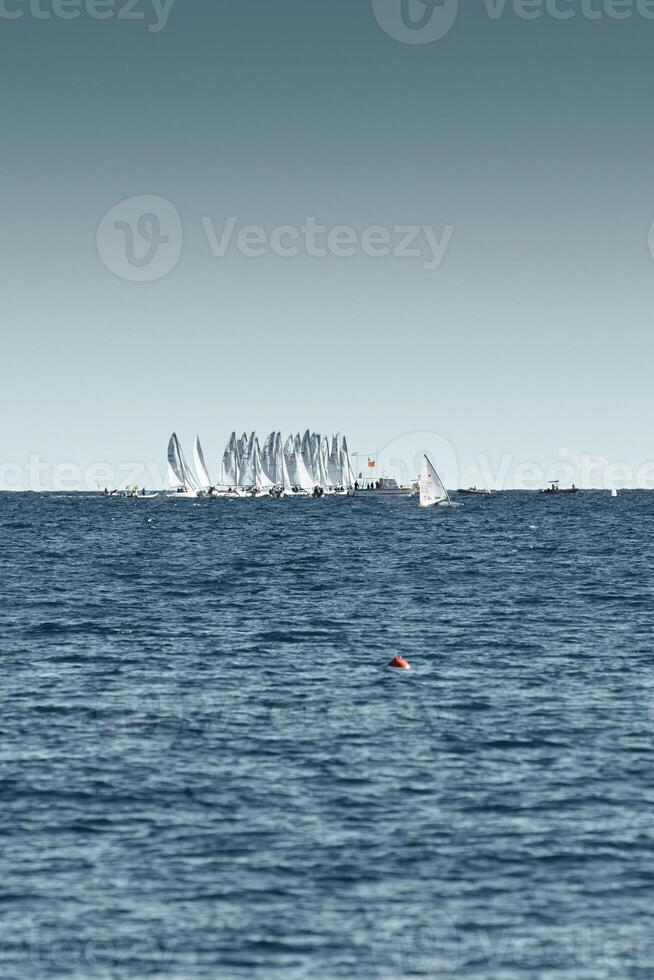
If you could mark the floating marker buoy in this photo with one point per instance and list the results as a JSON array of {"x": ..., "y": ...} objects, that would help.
[{"x": 400, "y": 663}]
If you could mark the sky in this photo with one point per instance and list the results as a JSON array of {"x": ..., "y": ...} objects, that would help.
[{"x": 165, "y": 170}]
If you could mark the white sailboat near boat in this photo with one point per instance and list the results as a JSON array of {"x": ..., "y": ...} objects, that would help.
[
  {"x": 181, "y": 477},
  {"x": 432, "y": 488},
  {"x": 201, "y": 469}
]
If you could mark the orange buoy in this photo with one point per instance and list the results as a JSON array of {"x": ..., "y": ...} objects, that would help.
[{"x": 400, "y": 663}]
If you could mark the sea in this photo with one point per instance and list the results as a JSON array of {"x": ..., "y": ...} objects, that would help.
[{"x": 208, "y": 772}]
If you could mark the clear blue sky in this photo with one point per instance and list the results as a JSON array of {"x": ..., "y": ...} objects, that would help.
[{"x": 534, "y": 139}]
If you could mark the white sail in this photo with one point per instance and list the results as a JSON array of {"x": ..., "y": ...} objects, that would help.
[
  {"x": 282, "y": 467},
  {"x": 230, "y": 463},
  {"x": 316, "y": 469},
  {"x": 260, "y": 478},
  {"x": 305, "y": 479},
  {"x": 241, "y": 447},
  {"x": 306, "y": 452},
  {"x": 200, "y": 465},
  {"x": 349, "y": 477},
  {"x": 335, "y": 463},
  {"x": 327, "y": 482},
  {"x": 179, "y": 471},
  {"x": 289, "y": 459},
  {"x": 301, "y": 476},
  {"x": 614, "y": 492},
  {"x": 175, "y": 475},
  {"x": 246, "y": 463},
  {"x": 432, "y": 490},
  {"x": 269, "y": 461},
  {"x": 316, "y": 441}
]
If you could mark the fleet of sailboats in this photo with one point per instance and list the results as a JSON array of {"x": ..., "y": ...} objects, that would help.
[{"x": 301, "y": 465}]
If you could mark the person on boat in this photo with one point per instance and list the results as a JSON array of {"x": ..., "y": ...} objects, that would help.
[
  {"x": 143, "y": 492},
  {"x": 356, "y": 484}
]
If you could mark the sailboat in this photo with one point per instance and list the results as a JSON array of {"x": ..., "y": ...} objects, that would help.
[
  {"x": 301, "y": 476},
  {"x": 230, "y": 468},
  {"x": 201, "y": 468},
  {"x": 348, "y": 476},
  {"x": 180, "y": 474},
  {"x": 282, "y": 466},
  {"x": 261, "y": 482},
  {"x": 614, "y": 492},
  {"x": 432, "y": 489}
]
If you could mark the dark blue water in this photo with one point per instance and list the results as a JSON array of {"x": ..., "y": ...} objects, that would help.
[{"x": 207, "y": 772}]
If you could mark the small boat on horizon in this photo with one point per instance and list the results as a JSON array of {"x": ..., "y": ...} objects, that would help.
[
  {"x": 555, "y": 488},
  {"x": 474, "y": 492}
]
